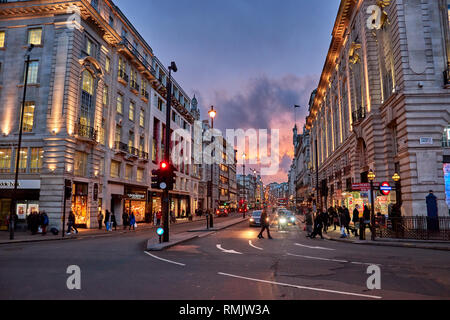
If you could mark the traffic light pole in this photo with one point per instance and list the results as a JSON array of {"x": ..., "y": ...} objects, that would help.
[{"x": 166, "y": 200}]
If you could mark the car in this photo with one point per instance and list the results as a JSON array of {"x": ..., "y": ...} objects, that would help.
[
  {"x": 255, "y": 219},
  {"x": 222, "y": 212}
]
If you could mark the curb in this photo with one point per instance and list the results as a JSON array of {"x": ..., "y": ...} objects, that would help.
[
  {"x": 384, "y": 244},
  {"x": 163, "y": 246}
]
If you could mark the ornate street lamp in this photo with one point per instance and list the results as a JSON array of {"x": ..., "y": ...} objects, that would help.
[
  {"x": 212, "y": 114},
  {"x": 398, "y": 189},
  {"x": 371, "y": 176}
]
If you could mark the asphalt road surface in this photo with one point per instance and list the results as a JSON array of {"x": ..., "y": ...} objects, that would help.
[{"x": 228, "y": 265}]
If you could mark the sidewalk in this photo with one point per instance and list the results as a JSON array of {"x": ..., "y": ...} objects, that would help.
[
  {"x": 24, "y": 237},
  {"x": 404, "y": 243},
  {"x": 154, "y": 245}
]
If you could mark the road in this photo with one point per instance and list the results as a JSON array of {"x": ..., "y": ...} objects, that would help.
[{"x": 228, "y": 265}]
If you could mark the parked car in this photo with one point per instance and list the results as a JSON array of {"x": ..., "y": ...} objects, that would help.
[{"x": 222, "y": 212}]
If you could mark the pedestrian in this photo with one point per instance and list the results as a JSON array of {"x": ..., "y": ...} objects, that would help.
[
  {"x": 318, "y": 225},
  {"x": 71, "y": 223},
  {"x": 172, "y": 217},
  {"x": 343, "y": 222},
  {"x": 309, "y": 223},
  {"x": 366, "y": 216},
  {"x": 100, "y": 220},
  {"x": 132, "y": 221},
  {"x": 347, "y": 218},
  {"x": 125, "y": 219},
  {"x": 265, "y": 225},
  {"x": 34, "y": 222},
  {"x": 107, "y": 216},
  {"x": 158, "y": 218},
  {"x": 45, "y": 222},
  {"x": 356, "y": 220},
  {"x": 325, "y": 220},
  {"x": 432, "y": 212},
  {"x": 113, "y": 221}
]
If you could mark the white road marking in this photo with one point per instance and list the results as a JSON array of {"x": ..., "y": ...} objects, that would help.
[
  {"x": 251, "y": 245},
  {"x": 332, "y": 260},
  {"x": 165, "y": 260},
  {"x": 300, "y": 287},
  {"x": 227, "y": 251},
  {"x": 318, "y": 248}
]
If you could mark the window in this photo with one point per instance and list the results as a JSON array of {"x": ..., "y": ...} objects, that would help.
[
  {"x": 131, "y": 111},
  {"x": 446, "y": 138},
  {"x": 34, "y": 36},
  {"x": 160, "y": 104},
  {"x": 33, "y": 69},
  {"x": 140, "y": 175},
  {"x": 102, "y": 137},
  {"x": 128, "y": 172},
  {"x": 94, "y": 3},
  {"x": 141, "y": 145},
  {"x": 2, "y": 39},
  {"x": 142, "y": 118},
  {"x": 28, "y": 116},
  {"x": 37, "y": 155},
  {"x": 108, "y": 64},
  {"x": 118, "y": 134},
  {"x": 131, "y": 139},
  {"x": 5, "y": 160},
  {"x": 89, "y": 46},
  {"x": 115, "y": 169},
  {"x": 87, "y": 108},
  {"x": 119, "y": 103},
  {"x": 23, "y": 160},
  {"x": 81, "y": 164},
  {"x": 105, "y": 95},
  {"x": 111, "y": 21}
]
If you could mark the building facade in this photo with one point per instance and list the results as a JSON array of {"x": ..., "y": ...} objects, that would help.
[
  {"x": 383, "y": 104},
  {"x": 94, "y": 116}
]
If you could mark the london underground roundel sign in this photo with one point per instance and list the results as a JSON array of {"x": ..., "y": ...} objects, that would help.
[{"x": 385, "y": 188}]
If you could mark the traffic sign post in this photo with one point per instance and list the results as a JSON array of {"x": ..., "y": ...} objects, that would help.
[{"x": 160, "y": 232}]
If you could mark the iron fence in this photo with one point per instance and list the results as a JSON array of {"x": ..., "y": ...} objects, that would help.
[{"x": 420, "y": 228}]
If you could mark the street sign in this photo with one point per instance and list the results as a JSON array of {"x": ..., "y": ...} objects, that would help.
[
  {"x": 385, "y": 188},
  {"x": 363, "y": 186}
]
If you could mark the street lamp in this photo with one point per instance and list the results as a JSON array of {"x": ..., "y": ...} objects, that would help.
[
  {"x": 212, "y": 114},
  {"x": 371, "y": 176},
  {"x": 244, "y": 184},
  {"x": 398, "y": 193},
  {"x": 16, "y": 178}
]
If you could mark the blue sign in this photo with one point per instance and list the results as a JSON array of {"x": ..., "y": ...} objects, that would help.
[{"x": 160, "y": 231}]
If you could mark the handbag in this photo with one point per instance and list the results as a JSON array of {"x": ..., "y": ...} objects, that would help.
[{"x": 135, "y": 225}]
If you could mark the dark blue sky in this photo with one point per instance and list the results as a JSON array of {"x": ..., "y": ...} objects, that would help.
[{"x": 251, "y": 59}]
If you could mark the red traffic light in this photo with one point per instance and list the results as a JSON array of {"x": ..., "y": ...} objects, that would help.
[{"x": 164, "y": 165}]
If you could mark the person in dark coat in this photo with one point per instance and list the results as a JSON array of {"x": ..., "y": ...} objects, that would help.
[
  {"x": 265, "y": 225},
  {"x": 34, "y": 223},
  {"x": 113, "y": 221},
  {"x": 44, "y": 223},
  {"x": 125, "y": 219},
  {"x": 432, "y": 212},
  {"x": 100, "y": 220},
  {"x": 325, "y": 221},
  {"x": 348, "y": 218},
  {"x": 356, "y": 220},
  {"x": 107, "y": 216},
  {"x": 343, "y": 222},
  {"x": 318, "y": 225},
  {"x": 132, "y": 221},
  {"x": 71, "y": 223}
]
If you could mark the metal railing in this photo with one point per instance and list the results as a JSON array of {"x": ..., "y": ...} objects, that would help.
[
  {"x": 86, "y": 132},
  {"x": 420, "y": 228},
  {"x": 133, "y": 151},
  {"x": 138, "y": 56},
  {"x": 143, "y": 155},
  {"x": 121, "y": 146}
]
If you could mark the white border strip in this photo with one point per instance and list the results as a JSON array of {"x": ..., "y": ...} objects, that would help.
[
  {"x": 301, "y": 287},
  {"x": 173, "y": 262},
  {"x": 253, "y": 246}
]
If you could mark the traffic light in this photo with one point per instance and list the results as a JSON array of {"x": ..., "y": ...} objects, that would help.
[
  {"x": 170, "y": 177},
  {"x": 164, "y": 178}
]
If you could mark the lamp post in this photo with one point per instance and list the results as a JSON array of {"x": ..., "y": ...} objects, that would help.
[
  {"x": 398, "y": 190},
  {"x": 245, "y": 187},
  {"x": 371, "y": 176},
  {"x": 212, "y": 114},
  {"x": 166, "y": 198},
  {"x": 19, "y": 146}
]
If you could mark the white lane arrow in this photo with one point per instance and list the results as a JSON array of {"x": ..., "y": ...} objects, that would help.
[
  {"x": 318, "y": 248},
  {"x": 227, "y": 251},
  {"x": 253, "y": 246}
]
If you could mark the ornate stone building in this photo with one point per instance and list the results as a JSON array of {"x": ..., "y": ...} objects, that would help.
[
  {"x": 94, "y": 113},
  {"x": 383, "y": 104}
]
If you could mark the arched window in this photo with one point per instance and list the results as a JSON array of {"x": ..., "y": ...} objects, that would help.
[{"x": 87, "y": 98}]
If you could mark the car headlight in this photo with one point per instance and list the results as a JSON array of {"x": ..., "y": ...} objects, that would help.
[
  {"x": 283, "y": 220},
  {"x": 293, "y": 219},
  {"x": 252, "y": 220}
]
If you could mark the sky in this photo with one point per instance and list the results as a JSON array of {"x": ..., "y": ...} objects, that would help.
[{"x": 253, "y": 60}]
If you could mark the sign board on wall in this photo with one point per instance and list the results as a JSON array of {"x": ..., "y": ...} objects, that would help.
[{"x": 22, "y": 184}]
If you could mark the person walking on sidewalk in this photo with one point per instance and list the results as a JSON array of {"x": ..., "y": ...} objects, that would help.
[
  {"x": 325, "y": 221},
  {"x": 44, "y": 223},
  {"x": 71, "y": 223},
  {"x": 265, "y": 225},
  {"x": 318, "y": 225},
  {"x": 125, "y": 219},
  {"x": 356, "y": 220},
  {"x": 132, "y": 221},
  {"x": 348, "y": 219},
  {"x": 343, "y": 222},
  {"x": 309, "y": 223},
  {"x": 158, "y": 218},
  {"x": 113, "y": 221},
  {"x": 100, "y": 220},
  {"x": 107, "y": 224}
]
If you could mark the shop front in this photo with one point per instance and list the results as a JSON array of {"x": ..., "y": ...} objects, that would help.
[
  {"x": 180, "y": 206},
  {"x": 27, "y": 200},
  {"x": 80, "y": 199},
  {"x": 135, "y": 201}
]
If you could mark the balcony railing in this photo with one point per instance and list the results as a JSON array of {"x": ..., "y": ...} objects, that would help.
[
  {"x": 133, "y": 151},
  {"x": 358, "y": 115},
  {"x": 120, "y": 146},
  {"x": 143, "y": 155},
  {"x": 86, "y": 132},
  {"x": 123, "y": 75},
  {"x": 138, "y": 56}
]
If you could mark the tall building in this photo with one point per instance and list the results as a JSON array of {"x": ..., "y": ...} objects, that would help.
[
  {"x": 383, "y": 104},
  {"x": 94, "y": 113}
]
